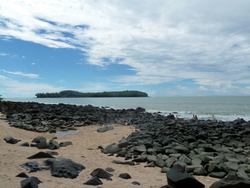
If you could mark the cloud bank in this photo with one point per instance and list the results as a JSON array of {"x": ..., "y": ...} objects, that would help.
[{"x": 207, "y": 43}]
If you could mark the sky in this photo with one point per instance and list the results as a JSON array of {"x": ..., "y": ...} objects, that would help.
[{"x": 164, "y": 48}]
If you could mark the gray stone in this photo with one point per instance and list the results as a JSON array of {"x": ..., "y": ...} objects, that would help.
[
  {"x": 232, "y": 181},
  {"x": 62, "y": 167},
  {"x": 30, "y": 182},
  {"x": 178, "y": 178}
]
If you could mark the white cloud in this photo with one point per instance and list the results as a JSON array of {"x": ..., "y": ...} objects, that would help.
[
  {"x": 4, "y": 54},
  {"x": 162, "y": 41},
  {"x": 22, "y": 74},
  {"x": 15, "y": 88}
]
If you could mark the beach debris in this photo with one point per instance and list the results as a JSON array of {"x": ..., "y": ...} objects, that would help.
[
  {"x": 93, "y": 181},
  {"x": 63, "y": 167},
  {"x": 125, "y": 176},
  {"x": 178, "y": 177},
  {"x": 40, "y": 155},
  {"x": 30, "y": 182},
  {"x": 11, "y": 140}
]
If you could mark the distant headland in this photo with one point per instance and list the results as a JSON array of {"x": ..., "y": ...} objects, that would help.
[{"x": 72, "y": 94}]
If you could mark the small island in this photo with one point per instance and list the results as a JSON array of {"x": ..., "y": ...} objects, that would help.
[{"x": 73, "y": 94}]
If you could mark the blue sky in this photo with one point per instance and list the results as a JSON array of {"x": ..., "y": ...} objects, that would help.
[{"x": 164, "y": 48}]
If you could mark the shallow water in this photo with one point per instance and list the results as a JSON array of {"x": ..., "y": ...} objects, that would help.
[{"x": 60, "y": 134}]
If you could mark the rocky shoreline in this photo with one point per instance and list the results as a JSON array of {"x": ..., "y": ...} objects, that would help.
[{"x": 199, "y": 147}]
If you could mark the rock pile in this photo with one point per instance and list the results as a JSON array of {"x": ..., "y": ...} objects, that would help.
[{"x": 211, "y": 148}]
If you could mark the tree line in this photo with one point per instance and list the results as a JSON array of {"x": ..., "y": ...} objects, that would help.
[{"x": 71, "y": 93}]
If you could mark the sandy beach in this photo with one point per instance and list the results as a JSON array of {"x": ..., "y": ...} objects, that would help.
[{"x": 84, "y": 151}]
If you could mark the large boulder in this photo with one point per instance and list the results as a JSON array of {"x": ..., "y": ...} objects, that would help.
[
  {"x": 62, "y": 167},
  {"x": 232, "y": 181},
  {"x": 178, "y": 178}
]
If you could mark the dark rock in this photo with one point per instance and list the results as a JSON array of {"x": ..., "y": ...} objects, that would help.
[
  {"x": 123, "y": 163},
  {"x": 52, "y": 144},
  {"x": 11, "y": 140},
  {"x": 62, "y": 167},
  {"x": 136, "y": 183},
  {"x": 110, "y": 169},
  {"x": 178, "y": 178},
  {"x": 232, "y": 181},
  {"x": 32, "y": 166},
  {"x": 30, "y": 182},
  {"x": 42, "y": 145},
  {"x": 125, "y": 176},
  {"x": 100, "y": 173},
  {"x": 104, "y": 129},
  {"x": 93, "y": 181},
  {"x": 218, "y": 174},
  {"x": 25, "y": 144},
  {"x": 39, "y": 139},
  {"x": 40, "y": 155},
  {"x": 65, "y": 143},
  {"x": 52, "y": 152},
  {"x": 22, "y": 175},
  {"x": 112, "y": 148}
]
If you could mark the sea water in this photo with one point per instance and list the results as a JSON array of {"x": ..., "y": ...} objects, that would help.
[{"x": 225, "y": 108}]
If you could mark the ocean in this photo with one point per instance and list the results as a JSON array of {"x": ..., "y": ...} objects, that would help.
[{"x": 225, "y": 108}]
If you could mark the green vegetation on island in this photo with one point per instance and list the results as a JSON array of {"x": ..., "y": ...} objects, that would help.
[{"x": 71, "y": 93}]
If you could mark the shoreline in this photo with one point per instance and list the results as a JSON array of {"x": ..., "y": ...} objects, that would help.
[{"x": 160, "y": 141}]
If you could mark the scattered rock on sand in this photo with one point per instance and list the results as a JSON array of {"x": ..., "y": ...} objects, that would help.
[
  {"x": 62, "y": 167},
  {"x": 104, "y": 129},
  {"x": 93, "y": 181},
  {"x": 11, "y": 140},
  {"x": 100, "y": 173},
  {"x": 125, "y": 176},
  {"x": 40, "y": 155},
  {"x": 22, "y": 175},
  {"x": 30, "y": 182}
]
